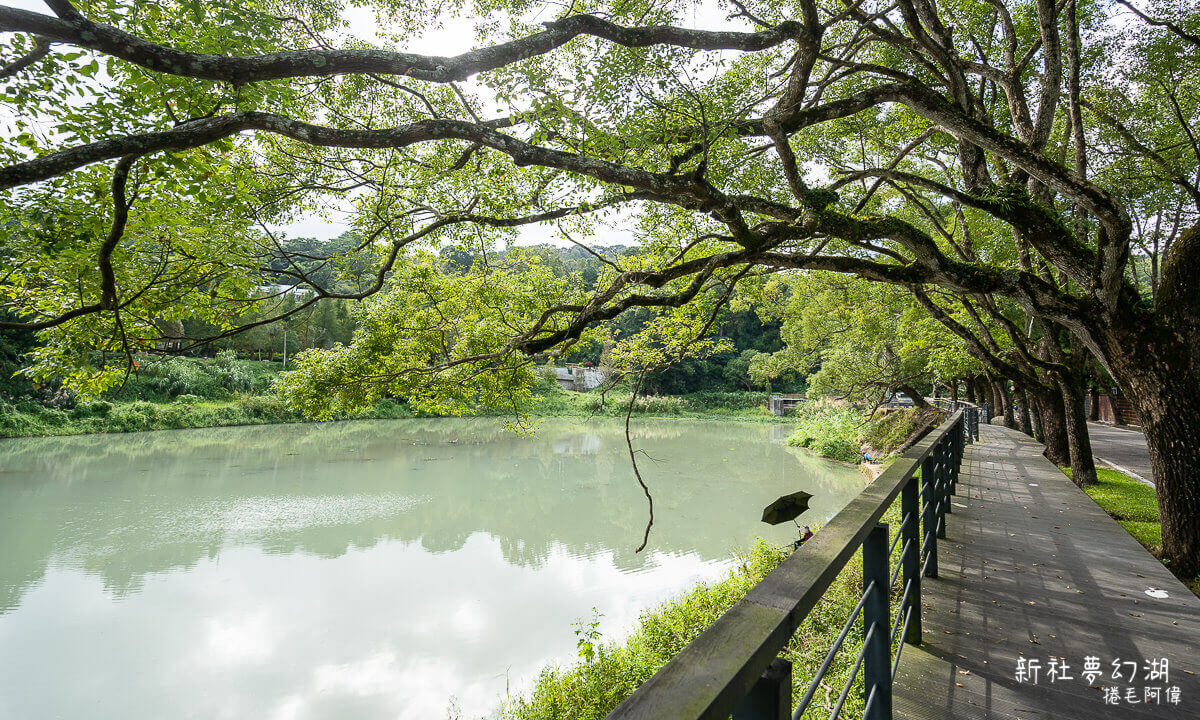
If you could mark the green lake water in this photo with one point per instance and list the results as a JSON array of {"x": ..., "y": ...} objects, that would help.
[{"x": 374, "y": 569}]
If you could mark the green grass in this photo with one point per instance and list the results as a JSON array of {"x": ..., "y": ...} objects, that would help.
[
  {"x": 1131, "y": 503},
  {"x": 1134, "y": 505},
  {"x": 1147, "y": 533},
  {"x": 830, "y": 431},
  {"x": 1123, "y": 497},
  {"x": 606, "y": 673}
]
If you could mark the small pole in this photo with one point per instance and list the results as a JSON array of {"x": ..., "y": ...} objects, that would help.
[
  {"x": 877, "y": 661},
  {"x": 910, "y": 511},
  {"x": 929, "y": 501},
  {"x": 771, "y": 696}
]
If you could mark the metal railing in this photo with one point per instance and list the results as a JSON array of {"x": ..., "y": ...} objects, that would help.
[
  {"x": 734, "y": 668},
  {"x": 972, "y": 412}
]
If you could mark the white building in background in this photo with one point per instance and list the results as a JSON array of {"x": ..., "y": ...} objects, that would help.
[{"x": 580, "y": 378}]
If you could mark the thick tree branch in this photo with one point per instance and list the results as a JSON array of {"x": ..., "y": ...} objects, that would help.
[{"x": 113, "y": 41}]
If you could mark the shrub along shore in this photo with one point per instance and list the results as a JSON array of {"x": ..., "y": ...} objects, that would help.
[
  {"x": 190, "y": 393},
  {"x": 847, "y": 434}
]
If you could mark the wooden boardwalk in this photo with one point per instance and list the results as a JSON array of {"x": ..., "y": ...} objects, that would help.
[{"x": 1031, "y": 569}]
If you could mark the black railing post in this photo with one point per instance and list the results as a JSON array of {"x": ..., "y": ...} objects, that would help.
[
  {"x": 877, "y": 657},
  {"x": 771, "y": 696},
  {"x": 952, "y": 464},
  {"x": 910, "y": 559},
  {"x": 945, "y": 453},
  {"x": 960, "y": 444},
  {"x": 947, "y": 477},
  {"x": 929, "y": 503}
]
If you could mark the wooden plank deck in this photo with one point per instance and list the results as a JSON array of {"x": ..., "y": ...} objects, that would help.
[{"x": 1032, "y": 568}]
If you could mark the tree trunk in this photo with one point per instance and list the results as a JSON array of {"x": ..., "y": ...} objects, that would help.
[
  {"x": 1035, "y": 418},
  {"x": 917, "y": 398},
  {"x": 1093, "y": 404},
  {"x": 1022, "y": 400},
  {"x": 1083, "y": 465},
  {"x": 1161, "y": 378},
  {"x": 1173, "y": 436},
  {"x": 1054, "y": 428},
  {"x": 1006, "y": 398},
  {"x": 971, "y": 390},
  {"x": 997, "y": 405},
  {"x": 1036, "y": 410},
  {"x": 1163, "y": 382}
]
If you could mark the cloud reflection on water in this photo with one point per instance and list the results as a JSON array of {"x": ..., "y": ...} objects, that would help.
[{"x": 355, "y": 570}]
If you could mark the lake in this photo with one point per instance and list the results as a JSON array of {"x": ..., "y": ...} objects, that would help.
[{"x": 369, "y": 569}]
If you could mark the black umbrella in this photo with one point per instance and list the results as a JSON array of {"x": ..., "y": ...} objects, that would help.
[{"x": 786, "y": 508}]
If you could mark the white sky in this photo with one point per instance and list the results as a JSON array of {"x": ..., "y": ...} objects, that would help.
[{"x": 454, "y": 37}]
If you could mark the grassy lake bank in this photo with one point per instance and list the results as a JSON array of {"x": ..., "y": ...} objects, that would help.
[
  {"x": 184, "y": 392},
  {"x": 207, "y": 401}
]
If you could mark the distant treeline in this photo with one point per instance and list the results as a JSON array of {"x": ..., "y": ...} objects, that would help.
[{"x": 331, "y": 321}]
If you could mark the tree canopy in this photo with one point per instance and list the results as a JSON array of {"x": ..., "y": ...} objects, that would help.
[{"x": 864, "y": 340}]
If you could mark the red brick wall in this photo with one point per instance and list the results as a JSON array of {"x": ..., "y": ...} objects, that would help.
[{"x": 1114, "y": 406}]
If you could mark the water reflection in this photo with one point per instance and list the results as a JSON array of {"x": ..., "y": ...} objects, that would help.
[{"x": 354, "y": 570}]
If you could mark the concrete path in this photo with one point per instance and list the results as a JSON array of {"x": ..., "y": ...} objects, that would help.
[
  {"x": 1031, "y": 571},
  {"x": 1122, "y": 447}
]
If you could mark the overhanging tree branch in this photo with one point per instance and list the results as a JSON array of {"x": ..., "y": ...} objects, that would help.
[{"x": 81, "y": 32}]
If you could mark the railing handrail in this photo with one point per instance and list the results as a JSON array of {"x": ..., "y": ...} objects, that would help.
[
  {"x": 709, "y": 677},
  {"x": 955, "y": 404}
]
